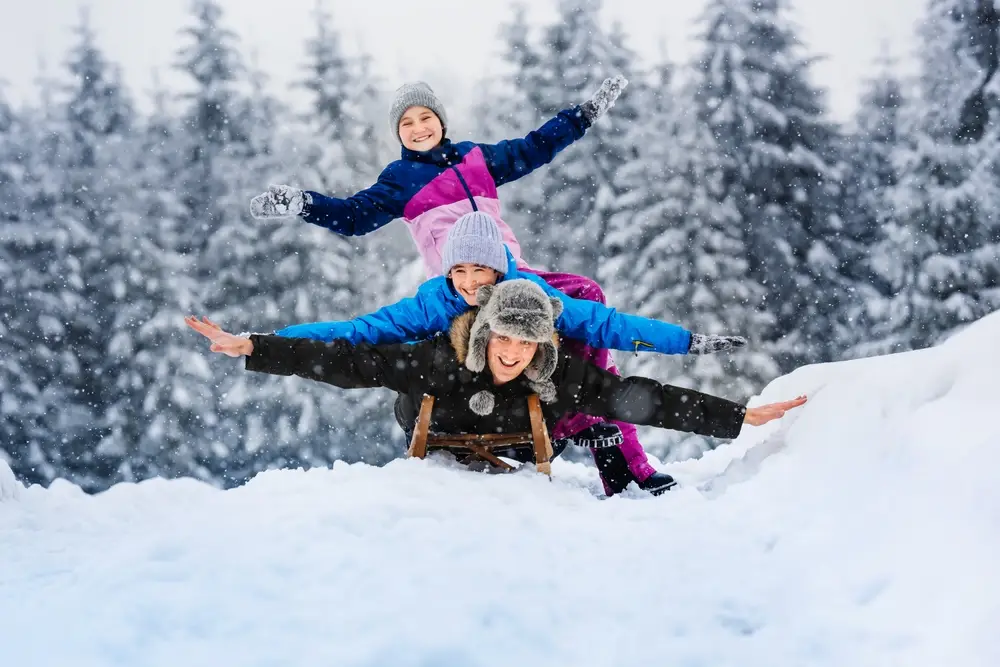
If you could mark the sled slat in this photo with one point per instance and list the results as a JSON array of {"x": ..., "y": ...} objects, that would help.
[
  {"x": 418, "y": 444},
  {"x": 540, "y": 437},
  {"x": 489, "y": 456},
  {"x": 480, "y": 445},
  {"x": 489, "y": 441}
]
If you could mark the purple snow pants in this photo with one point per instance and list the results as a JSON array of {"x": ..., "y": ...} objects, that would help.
[{"x": 580, "y": 287}]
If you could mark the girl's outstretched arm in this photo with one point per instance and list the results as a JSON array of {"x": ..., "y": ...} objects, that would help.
[
  {"x": 602, "y": 326},
  {"x": 410, "y": 320},
  {"x": 358, "y": 214},
  {"x": 511, "y": 159}
]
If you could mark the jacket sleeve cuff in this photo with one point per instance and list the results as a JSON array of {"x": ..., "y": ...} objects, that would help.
[
  {"x": 307, "y": 202},
  {"x": 741, "y": 413},
  {"x": 577, "y": 113},
  {"x": 257, "y": 360}
]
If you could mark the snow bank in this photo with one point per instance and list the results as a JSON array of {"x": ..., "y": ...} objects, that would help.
[
  {"x": 10, "y": 488},
  {"x": 862, "y": 530}
]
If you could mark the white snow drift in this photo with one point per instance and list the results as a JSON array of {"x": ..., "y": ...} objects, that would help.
[{"x": 862, "y": 530}]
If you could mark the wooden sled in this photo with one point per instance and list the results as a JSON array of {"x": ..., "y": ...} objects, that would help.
[{"x": 424, "y": 441}]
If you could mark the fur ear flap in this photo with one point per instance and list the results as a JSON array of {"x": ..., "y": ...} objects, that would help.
[
  {"x": 557, "y": 307},
  {"x": 543, "y": 365},
  {"x": 546, "y": 391},
  {"x": 479, "y": 338},
  {"x": 484, "y": 294}
]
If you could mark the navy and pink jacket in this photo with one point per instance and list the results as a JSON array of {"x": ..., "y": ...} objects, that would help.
[{"x": 431, "y": 189}]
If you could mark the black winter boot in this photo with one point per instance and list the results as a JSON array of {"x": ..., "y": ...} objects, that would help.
[
  {"x": 614, "y": 469},
  {"x": 658, "y": 483},
  {"x": 616, "y": 475}
]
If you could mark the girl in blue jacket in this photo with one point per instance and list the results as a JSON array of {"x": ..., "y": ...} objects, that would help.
[{"x": 475, "y": 255}]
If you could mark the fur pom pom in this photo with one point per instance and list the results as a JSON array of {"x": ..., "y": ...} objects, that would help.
[{"x": 482, "y": 402}]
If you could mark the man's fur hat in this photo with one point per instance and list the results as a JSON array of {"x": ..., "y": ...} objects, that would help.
[{"x": 521, "y": 309}]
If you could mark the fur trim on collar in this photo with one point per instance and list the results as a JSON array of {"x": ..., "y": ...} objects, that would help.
[{"x": 459, "y": 333}]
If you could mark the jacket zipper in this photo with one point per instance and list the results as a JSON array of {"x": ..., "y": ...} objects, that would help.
[{"x": 468, "y": 192}]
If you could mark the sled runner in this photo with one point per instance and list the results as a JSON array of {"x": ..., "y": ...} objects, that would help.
[{"x": 481, "y": 446}]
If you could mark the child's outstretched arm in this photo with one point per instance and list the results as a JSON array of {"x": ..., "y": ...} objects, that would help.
[
  {"x": 511, "y": 159},
  {"x": 358, "y": 214},
  {"x": 604, "y": 327},
  {"x": 410, "y": 320}
]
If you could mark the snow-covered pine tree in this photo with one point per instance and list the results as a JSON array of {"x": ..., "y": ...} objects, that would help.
[
  {"x": 34, "y": 298},
  {"x": 767, "y": 123},
  {"x": 195, "y": 147},
  {"x": 337, "y": 157},
  {"x": 563, "y": 208},
  {"x": 946, "y": 243},
  {"x": 24, "y": 405},
  {"x": 867, "y": 212},
  {"x": 250, "y": 275},
  {"x": 83, "y": 285},
  {"x": 504, "y": 111},
  {"x": 649, "y": 202},
  {"x": 215, "y": 66},
  {"x": 343, "y": 149},
  {"x": 681, "y": 251},
  {"x": 161, "y": 404},
  {"x": 347, "y": 144},
  {"x": 345, "y": 141}
]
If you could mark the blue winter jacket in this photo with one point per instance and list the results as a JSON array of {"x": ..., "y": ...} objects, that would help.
[{"x": 437, "y": 303}]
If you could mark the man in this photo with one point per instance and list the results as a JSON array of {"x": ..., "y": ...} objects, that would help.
[{"x": 482, "y": 372}]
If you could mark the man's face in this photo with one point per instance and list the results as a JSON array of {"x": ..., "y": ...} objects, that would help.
[
  {"x": 468, "y": 278},
  {"x": 508, "y": 356}
]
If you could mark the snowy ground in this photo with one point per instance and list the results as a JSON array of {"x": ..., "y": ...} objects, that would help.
[{"x": 861, "y": 531}]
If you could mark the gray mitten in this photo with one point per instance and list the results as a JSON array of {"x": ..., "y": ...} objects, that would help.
[
  {"x": 604, "y": 98},
  {"x": 709, "y": 343},
  {"x": 280, "y": 201}
]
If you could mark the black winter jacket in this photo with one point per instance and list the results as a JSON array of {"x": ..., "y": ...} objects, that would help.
[{"x": 436, "y": 367}]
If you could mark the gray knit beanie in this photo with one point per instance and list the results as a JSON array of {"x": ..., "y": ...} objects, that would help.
[
  {"x": 474, "y": 239},
  {"x": 415, "y": 94}
]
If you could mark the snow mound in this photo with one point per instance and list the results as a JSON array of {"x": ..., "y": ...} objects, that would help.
[
  {"x": 10, "y": 488},
  {"x": 861, "y": 530}
]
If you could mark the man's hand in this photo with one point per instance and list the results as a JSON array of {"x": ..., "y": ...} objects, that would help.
[
  {"x": 224, "y": 342},
  {"x": 765, "y": 413},
  {"x": 280, "y": 201},
  {"x": 603, "y": 99}
]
